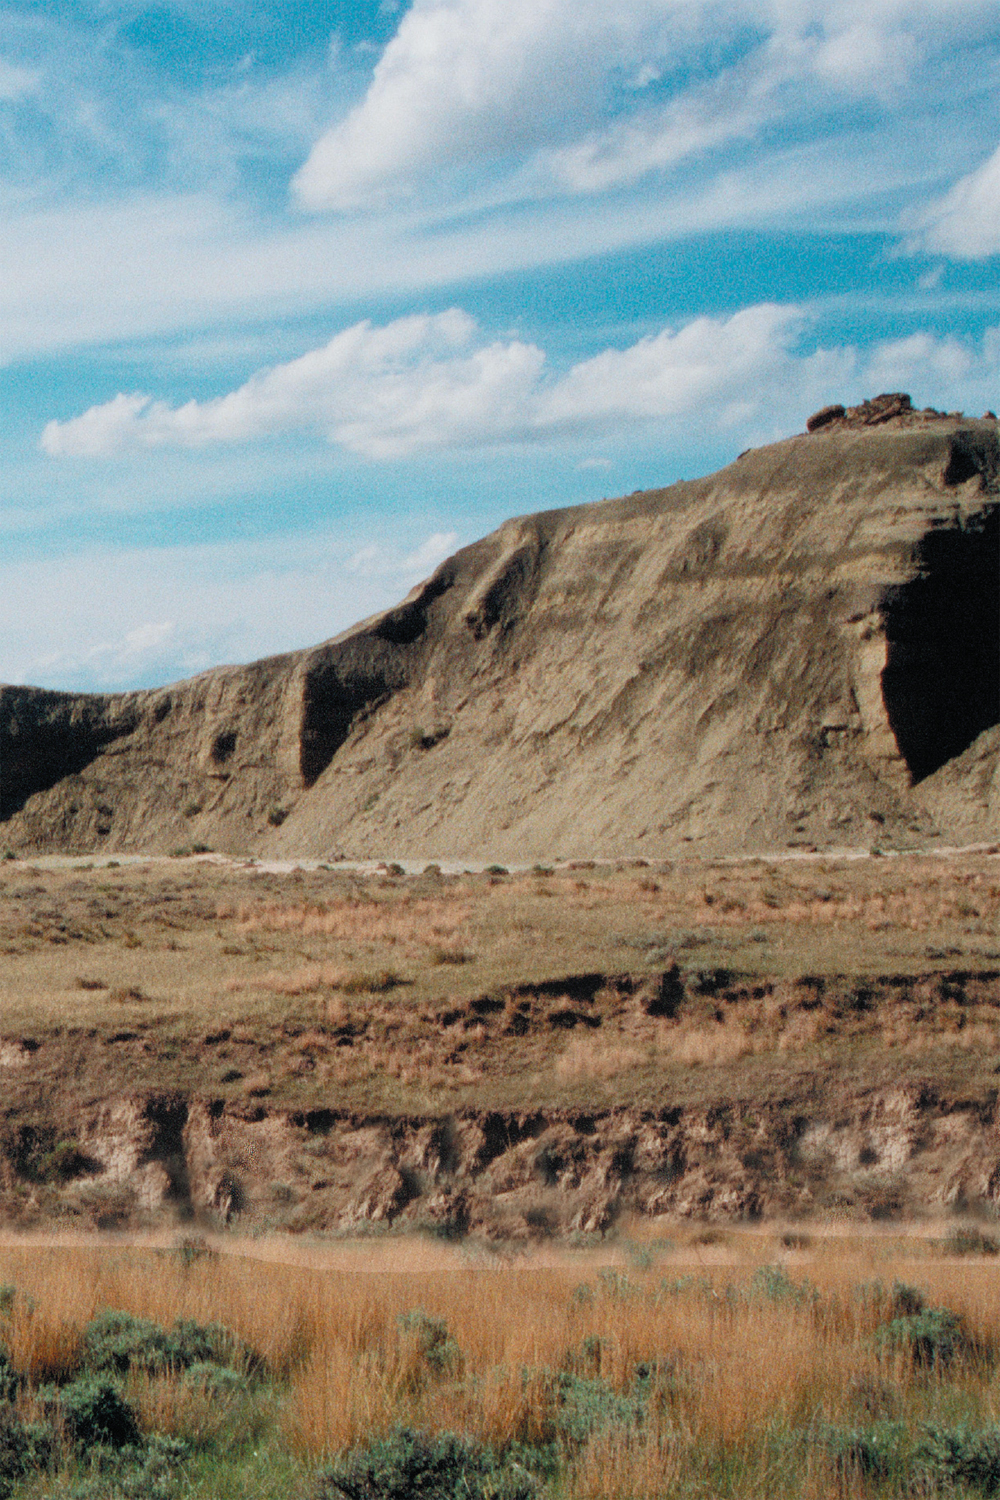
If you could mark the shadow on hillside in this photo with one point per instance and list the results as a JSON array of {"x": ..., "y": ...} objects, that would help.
[{"x": 941, "y": 682}]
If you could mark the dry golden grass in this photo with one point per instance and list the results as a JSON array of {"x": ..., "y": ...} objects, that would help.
[
  {"x": 587, "y": 1057},
  {"x": 402, "y": 920},
  {"x": 736, "y": 1364}
]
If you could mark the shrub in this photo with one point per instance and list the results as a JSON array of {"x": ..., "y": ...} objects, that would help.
[
  {"x": 875, "y": 1453},
  {"x": 378, "y": 983},
  {"x": 191, "y": 1343},
  {"x": 217, "y": 1381},
  {"x": 144, "y": 1473},
  {"x": 906, "y": 1300},
  {"x": 412, "y": 1466},
  {"x": 95, "y": 1411},
  {"x": 589, "y": 1406},
  {"x": 933, "y": 1338},
  {"x": 615, "y": 1284},
  {"x": 443, "y": 953},
  {"x": 24, "y": 1446},
  {"x": 773, "y": 1284},
  {"x": 118, "y": 1342},
  {"x": 434, "y": 1345},
  {"x": 9, "y": 1378},
  {"x": 193, "y": 1248},
  {"x": 40, "y": 1156},
  {"x": 961, "y": 1455},
  {"x": 965, "y": 1241}
]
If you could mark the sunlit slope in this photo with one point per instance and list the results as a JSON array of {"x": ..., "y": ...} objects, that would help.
[{"x": 797, "y": 650}]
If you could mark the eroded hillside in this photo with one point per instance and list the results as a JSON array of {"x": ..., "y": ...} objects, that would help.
[{"x": 798, "y": 650}]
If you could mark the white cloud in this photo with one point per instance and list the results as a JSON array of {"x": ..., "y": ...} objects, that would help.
[
  {"x": 714, "y": 364},
  {"x": 102, "y": 429},
  {"x": 384, "y": 392},
  {"x": 425, "y": 558},
  {"x": 652, "y": 141},
  {"x": 433, "y": 383},
  {"x": 376, "y": 560},
  {"x": 949, "y": 372},
  {"x": 465, "y": 79},
  {"x": 467, "y": 82},
  {"x": 965, "y": 223},
  {"x": 428, "y": 382}
]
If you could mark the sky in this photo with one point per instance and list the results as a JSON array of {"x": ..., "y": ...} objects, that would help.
[{"x": 299, "y": 296}]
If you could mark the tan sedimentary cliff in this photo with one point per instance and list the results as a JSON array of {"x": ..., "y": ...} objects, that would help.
[{"x": 799, "y": 649}]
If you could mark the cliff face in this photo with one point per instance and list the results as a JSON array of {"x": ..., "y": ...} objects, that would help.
[{"x": 800, "y": 649}]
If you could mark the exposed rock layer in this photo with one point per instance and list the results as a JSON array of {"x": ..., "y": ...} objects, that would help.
[
  {"x": 874, "y": 1153},
  {"x": 800, "y": 649},
  {"x": 791, "y": 1138}
]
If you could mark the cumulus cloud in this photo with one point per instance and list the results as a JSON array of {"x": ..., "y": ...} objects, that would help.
[
  {"x": 416, "y": 382},
  {"x": 461, "y": 79},
  {"x": 716, "y": 364},
  {"x": 954, "y": 373},
  {"x": 476, "y": 81},
  {"x": 965, "y": 223},
  {"x": 434, "y": 383}
]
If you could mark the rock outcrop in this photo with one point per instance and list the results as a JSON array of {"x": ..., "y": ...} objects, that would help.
[
  {"x": 800, "y": 649},
  {"x": 879, "y": 1153}
]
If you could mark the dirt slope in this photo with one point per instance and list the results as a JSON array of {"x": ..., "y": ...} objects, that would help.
[{"x": 800, "y": 649}]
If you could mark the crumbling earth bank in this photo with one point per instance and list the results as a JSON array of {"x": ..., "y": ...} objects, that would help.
[{"x": 506, "y": 1174}]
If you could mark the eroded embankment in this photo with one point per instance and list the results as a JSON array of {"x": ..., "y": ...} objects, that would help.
[{"x": 808, "y": 1096}]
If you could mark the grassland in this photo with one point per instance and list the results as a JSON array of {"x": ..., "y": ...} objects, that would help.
[
  {"x": 662, "y": 1361},
  {"x": 717, "y": 1364},
  {"x": 219, "y": 976}
]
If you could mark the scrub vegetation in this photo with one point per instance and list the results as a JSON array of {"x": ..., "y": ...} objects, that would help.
[{"x": 716, "y": 1364}]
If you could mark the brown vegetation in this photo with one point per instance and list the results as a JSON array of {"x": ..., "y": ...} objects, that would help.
[{"x": 751, "y": 1350}]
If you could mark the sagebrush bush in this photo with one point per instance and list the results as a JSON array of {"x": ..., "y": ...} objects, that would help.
[
  {"x": 24, "y": 1447},
  {"x": 876, "y": 1453},
  {"x": 217, "y": 1381},
  {"x": 412, "y": 1466},
  {"x": 95, "y": 1412},
  {"x": 119, "y": 1342},
  {"x": 146, "y": 1473},
  {"x": 934, "y": 1338},
  {"x": 961, "y": 1456},
  {"x": 589, "y": 1406},
  {"x": 431, "y": 1342}
]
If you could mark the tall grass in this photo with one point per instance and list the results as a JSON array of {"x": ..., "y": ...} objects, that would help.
[{"x": 742, "y": 1361}]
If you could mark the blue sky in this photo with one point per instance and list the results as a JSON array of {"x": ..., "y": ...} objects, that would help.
[{"x": 295, "y": 298}]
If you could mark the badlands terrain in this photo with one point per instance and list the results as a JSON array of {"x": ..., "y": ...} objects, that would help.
[
  {"x": 511, "y": 1056},
  {"x": 544, "y": 1042},
  {"x": 737, "y": 741},
  {"x": 798, "y": 651}
]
